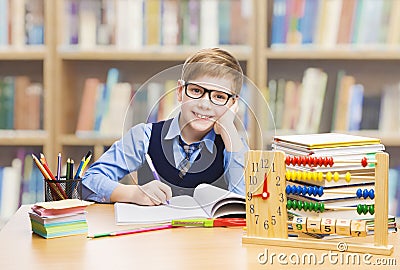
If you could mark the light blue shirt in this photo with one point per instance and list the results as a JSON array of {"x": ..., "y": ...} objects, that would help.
[{"x": 128, "y": 154}]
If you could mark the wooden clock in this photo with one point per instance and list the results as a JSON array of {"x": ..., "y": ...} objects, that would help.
[{"x": 266, "y": 214}]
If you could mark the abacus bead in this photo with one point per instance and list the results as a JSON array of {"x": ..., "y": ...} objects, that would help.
[
  {"x": 315, "y": 162},
  {"x": 306, "y": 206},
  {"x": 287, "y": 175},
  {"x": 314, "y": 176},
  {"x": 365, "y": 193},
  {"x": 310, "y": 190},
  {"x": 320, "y": 161},
  {"x": 347, "y": 177},
  {"x": 371, "y": 209},
  {"x": 309, "y": 175},
  {"x": 288, "y": 189},
  {"x": 315, "y": 191},
  {"x": 300, "y": 205},
  {"x": 310, "y": 161},
  {"x": 359, "y": 193},
  {"x": 330, "y": 161},
  {"x": 320, "y": 176},
  {"x": 336, "y": 176},
  {"x": 303, "y": 161},
  {"x": 293, "y": 175},
  {"x": 320, "y": 191},
  {"x": 364, "y": 162},
  {"x": 322, "y": 207},
  {"x": 304, "y": 176},
  {"x": 365, "y": 209},
  {"x": 371, "y": 193},
  {"x": 328, "y": 176},
  {"x": 300, "y": 190},
  {"x": 293, "y": 189},
  {"x": 287, "y": 160},
  {"x": 325, "y": 161},
  {"x": 359, "y": 209},
  {"x": 289, "y": 204},
  {"x": 295, "y": 160}
]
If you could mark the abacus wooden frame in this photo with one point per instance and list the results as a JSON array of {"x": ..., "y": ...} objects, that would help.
[{"x": 379, "y": 246}]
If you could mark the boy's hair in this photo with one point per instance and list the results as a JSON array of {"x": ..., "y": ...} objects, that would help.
[{"x": 214, "y": 62}]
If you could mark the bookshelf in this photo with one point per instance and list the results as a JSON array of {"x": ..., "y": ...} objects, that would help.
[
  {"x": 75, "y": 62},
  {"x": 365, "y": 60}
]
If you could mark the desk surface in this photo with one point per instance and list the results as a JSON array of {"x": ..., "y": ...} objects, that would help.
[{"x": 180, "y": 248}]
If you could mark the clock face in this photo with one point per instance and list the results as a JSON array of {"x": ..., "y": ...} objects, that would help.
[{"x": 266, "y": 214}]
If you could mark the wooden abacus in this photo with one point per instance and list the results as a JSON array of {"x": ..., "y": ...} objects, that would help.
[{"x": 266, "y": 207}]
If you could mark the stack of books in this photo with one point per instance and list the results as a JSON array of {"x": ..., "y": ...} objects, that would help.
[
  {"x": 59, "y": 218},
  {"x": 343, "y": 188}
]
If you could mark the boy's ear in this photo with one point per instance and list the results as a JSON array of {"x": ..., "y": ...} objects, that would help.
[{"x": 179, "y": 91}]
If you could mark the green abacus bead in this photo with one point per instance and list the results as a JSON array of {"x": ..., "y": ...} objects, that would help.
[
  {"x": 322, "y": 209},
  {"x": 289, "y": 204},
  {"x": 359, "y": 209},
  {"x": 300, "y": 205},
  {"x": 371, "y": 209},
  {"x": 296, "y": 205},
  {"x": 365, "y": 209},
  {"x": 313, "y": 207},
  {"x": 306, "y": 206}
]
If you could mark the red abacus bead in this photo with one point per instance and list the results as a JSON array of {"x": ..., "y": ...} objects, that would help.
[
  {"x": 330, "y": 161},
  {"x": 320, "y": 161},
  {"x": 315, "y": 163},
  {"x": 364, "y": 162},
  {"x": 294, "y": 161},
  {"x": 287, "y": 160},
  {"x": 310, "y": 161},
  {"x": 298, "y": 161},
  {"x": 303, "y": 161}
]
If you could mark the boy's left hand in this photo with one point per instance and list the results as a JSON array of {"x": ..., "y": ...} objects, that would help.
[{"x": 225, "y": 122}]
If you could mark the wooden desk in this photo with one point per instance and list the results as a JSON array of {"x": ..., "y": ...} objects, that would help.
[{"x": 181, "y": 248}]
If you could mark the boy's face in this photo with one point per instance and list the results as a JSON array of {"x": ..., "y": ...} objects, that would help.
[{"x": 199, "y": 114}]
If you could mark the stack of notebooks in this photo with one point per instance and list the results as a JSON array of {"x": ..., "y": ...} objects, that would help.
[
  {"x": 337, "y": 195},
  {"x": 59, "y": 218}
]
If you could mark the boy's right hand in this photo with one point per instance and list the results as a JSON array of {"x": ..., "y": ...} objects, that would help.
[{"x": 154, "y": 193}]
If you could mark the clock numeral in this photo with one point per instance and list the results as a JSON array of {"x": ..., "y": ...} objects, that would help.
[
  {"x": 249, "y": 196},
  {"x": 253, "y": 180},
  {"x": 273, "y": 167},
  {"x": 251, "y": 209},
  {"x": 264, "y": 163},
  {"x": 281, "y": 198},
  {"x": 279, "y": 211},
  {"x": 273, "y": 220},
  {"x": 255, "y": 166},
  {"x": 266, "y": 225},
  {"x": 257, "y": 216},
  {"x": 278, "y": 181}
]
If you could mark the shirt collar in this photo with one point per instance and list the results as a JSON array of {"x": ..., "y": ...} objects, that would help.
[{"x": 175, "y": 131}]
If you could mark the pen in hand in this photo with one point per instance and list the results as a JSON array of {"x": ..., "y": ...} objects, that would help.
[{"x": 153, "y": 170}]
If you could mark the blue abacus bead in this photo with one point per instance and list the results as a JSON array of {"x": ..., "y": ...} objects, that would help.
[
  {"x": 320, "y": 191},
  {"x": 371, "y": 193},
  {"x": 292, "y": 189},
  {"x": 365, "y": 194},
  {"x": 299, "y": 190},
  {"x": 288, "y": 189},
  {"x": 359, "y": 193},
  {"x": 315, "y": 191},
  {"x": 304, "y": 191}
]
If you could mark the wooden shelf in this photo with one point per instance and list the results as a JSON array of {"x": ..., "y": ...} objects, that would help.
[
  {"x": 331, "y": 54},
  {"x": 24, "y": 53},
  {"x": 150, "y": 53},
  {"x": 23, "y": 137},
  {"x": 73, "y": 140}
]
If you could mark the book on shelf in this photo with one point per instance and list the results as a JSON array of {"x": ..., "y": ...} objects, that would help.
[{"x": 207, "y": 202}]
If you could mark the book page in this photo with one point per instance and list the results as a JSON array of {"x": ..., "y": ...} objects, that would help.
[
  {"x": 180, "y": 207},
  {"x": 212, "y": 198}
]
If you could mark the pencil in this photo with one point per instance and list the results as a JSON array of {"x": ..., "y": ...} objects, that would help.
[
  {"x": 153, "y": 169},
  {"x": 87, "y": 159},
  {"x": 141, "y": 230}
]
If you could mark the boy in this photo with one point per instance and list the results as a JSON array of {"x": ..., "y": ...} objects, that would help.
[{"x": 200, "y": 145}]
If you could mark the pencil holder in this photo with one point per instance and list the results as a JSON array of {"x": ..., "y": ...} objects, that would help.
[{"x": 55, "y": 190}]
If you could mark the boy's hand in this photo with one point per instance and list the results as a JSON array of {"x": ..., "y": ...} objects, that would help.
[
  {"x": 225, "y": 123},
  {"x": 154, "y": 193}
]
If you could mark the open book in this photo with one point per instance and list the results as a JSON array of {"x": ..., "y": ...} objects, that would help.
[{"x": 207, "y": 202}]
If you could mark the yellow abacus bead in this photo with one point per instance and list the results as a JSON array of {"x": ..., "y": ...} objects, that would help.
[
  {"x": 293, "y": 175},
  {"x": 336, "y": 176},
  {"x": 304, "y": 175},
  {"x": 320, "y": 176},
  {"x": 314, "y": 176},
  {"x": 328, "y": 176},
  {"x": 309, "y": 176},
  {"x": 347, "y": 177},
  {"x": 287, "y": 175}
]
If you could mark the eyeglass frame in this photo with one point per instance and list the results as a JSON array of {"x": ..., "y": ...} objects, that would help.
[{"x": 185, "y": 85}]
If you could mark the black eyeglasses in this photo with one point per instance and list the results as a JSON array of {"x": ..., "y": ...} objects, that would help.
[{"x": 217, "y": 97}]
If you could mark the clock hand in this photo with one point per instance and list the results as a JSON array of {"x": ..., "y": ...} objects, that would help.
[{"x": 265, "y": 194}]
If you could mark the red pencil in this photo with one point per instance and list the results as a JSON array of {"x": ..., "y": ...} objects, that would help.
[{"x": 163, "y": 227}]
